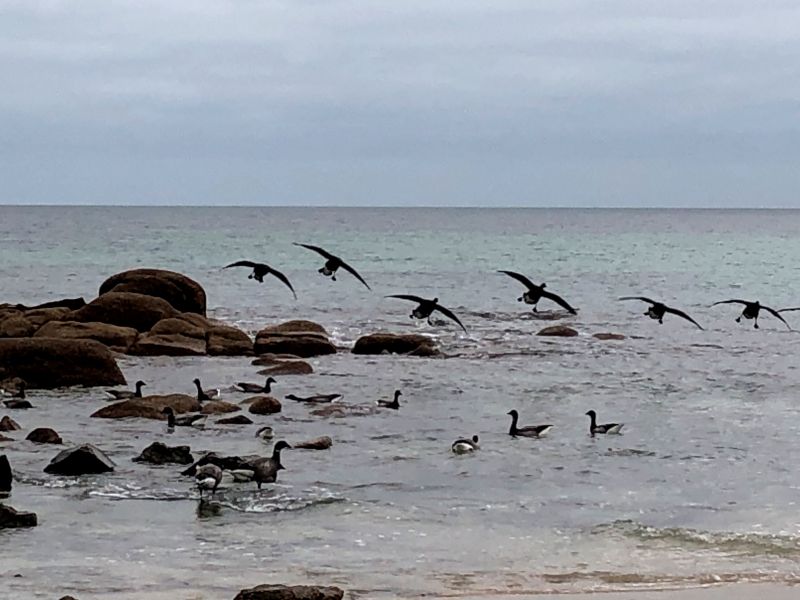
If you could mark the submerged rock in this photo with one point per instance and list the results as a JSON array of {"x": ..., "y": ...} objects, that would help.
[
  {"x": 558, "y": 331},
  {"x": 291, "y": 592},
  {"x": 148, "y": 407},
  {"x": 44, "y": 435},
  {"x": 608, "y": 336},
  {"x": 11, "y": 517},
  {"x": 321, "y": 443},
  {"x": 6, "y": 476},
  {"x": 237, "y": 420},
  {"x": 264, "y": 405},
  {"x": 288, "y": 367},
  {"x": 266, "y": 360},
  {"x": 393, "y": 343},
  {"x": 81, "y": 460},
  {"x": 159, "y": 453},
  {"x": 180, "y": 291}
]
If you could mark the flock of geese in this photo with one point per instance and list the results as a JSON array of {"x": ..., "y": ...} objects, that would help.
[{"x": 532, "y": 295}]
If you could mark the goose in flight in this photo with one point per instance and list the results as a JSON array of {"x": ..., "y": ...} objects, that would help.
[
  {"x": 751, "y": 310},
  {"x": 260, "y": 270},
  {"x": 426, "y": 308},
  {"x": 657, "y": 310},
  {"x": 535, "y": 293},
  {"x": 333, "y": 263}
]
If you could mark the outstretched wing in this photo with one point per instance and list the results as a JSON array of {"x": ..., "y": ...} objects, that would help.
[
  {"x": 774, "y": 313},
  {"x": 448, "y": 313},
  {"x": 643, "y": 298},
  {"x": 316, "y": 249},
  {"x": 284, "y": 279},
  {"x": 789, "y": 309},
  {"x": 681, "y": 314},
  {"x": 347, "y": 267},
  {"x": 521, "y": 278},
  {"x": 243, "y": 263},
  {"x": 732, "y": 302},
  {"x": 559, "y": 300},
  {"x": 416, "y": 299}
]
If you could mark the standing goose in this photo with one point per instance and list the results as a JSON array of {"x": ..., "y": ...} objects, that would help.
[
  {"x": 535, "y": 293},
  {"x": 265, "y": 470},
  {"x": 208, "y": 477},
  {"x": 465, "y": 446},
  {"x": 204, "y": 395},
  {"x": 658, "y": 309},
  {"x": 260, "y": 270},
  {"x": 333, "y": 264},
  {"x": 127, "y": 394},
  {"x": 534, "y": 431},
  {"x": 594, "y": 428},
  {"x": 254, "y": 388},
  {"x": 185, "y": 421},
  {"x": 317, "y": 399},
  {"x": 751, "y": 310},
  {"x": 394, "y": 404},
  {"x": 426, "y": 308}
]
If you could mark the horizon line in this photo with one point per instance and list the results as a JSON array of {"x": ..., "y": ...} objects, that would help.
[{"x": 394, "y": 206}]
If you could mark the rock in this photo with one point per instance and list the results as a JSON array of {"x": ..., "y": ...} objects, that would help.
[
  {"x": 44, "y": 435},
  {"x": 115, "y": 337},
  {"x": 17, "y": 404},
  {"x": 6, "y": 476},
  {"x": 266, "y": 360},
  {"x": 80, "y": 460},
  {"x": 11, "y": 517},
  {"x": 264, "y": 405},
  {"x": 181, "y": 326},
  {"x": 158, "y": 453},
  {"x": 320, "y": 443},
  {"x": 303, "y": 345},
  {"x": 183, "y": 293},
  {"x": 5, "y": 438},
  {"x": 394, "y": 343},
  {"x": 52, "y": 363},
  {"x": 237, "y": 420},
  {"x": 218, "y": 407},
  {"x": 608, "y": 336},
  {"x": 66, "y": 303},
  {"x": 148, "y": 407},
  {"x": 288, "y": 367},
  {"x": 9, "y": 424},
  {"x": 67, "y": 598},
  {"x": 228, "y": 341},
  {"x": 296, "y": 326},
  {"x": 16, "y": 326},
  {"x": 558, "y": 331},
  {"x": 40, "y": 316},
  {"x": 169, "y": 345},
  {"x": 293, "y": 592},
  {"x": 125, "y": 309}
]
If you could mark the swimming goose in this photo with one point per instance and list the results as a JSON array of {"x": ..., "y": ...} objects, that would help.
[
  {"x": 318, "y": 399},
  {"x": 537, "y": 292},
  {"x": 127, "y": 394},
  {"x": 528, "y": 431},
  {"x": 658, "y": 309},
  {"x": 605, "y": 428},
  {"x": 265, "y": 470},
  {"x": 751, "y": 310},
  {"x": 184, "y": 421},
  {"x": 333, "y": 264},
  {"x": 204, "y": 395},
  {"x": 395, "y": 404},
  {"x": 426, "y": 308},
  {"x": 260, "y": 270},
  {"x": 208, "y": 477},
  {"x": 254, "y": 388},
  {"x": 265, "y": 433},
  {"x": 464, "y": 446}
]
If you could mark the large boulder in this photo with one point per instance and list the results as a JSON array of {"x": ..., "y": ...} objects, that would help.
[
  {"x": 288, "y": 367},
  {"x": 193, "y": 328},
  {"x": 148, "y": 407},
  {"x": 219, "y": 407},
  {"x": 296, "y": 326},
  {"x": 51, "y": 363},
  {"x": 183, "y": 293},
  {"x": 126, "y": 309},
  {"x": 6, "y": 476},
  {"x": 228, "y": 341},
  {"x": 11, "y": 517},
  {"x": 81, "y": 460},
  {"x": 395, "y": 343},
  {"x": 159, "y": 453},
  {"x": 40, "y": 316},
  {"x": 263, "y": 405},
  {"x": 44, "y": 435},
  {"x": 291, "y": 592},
  {"x": 303, "y": 345},
  {"x": 237, "y": 420},
  {"x": 15, "y": 325},
  {"x": 115, "y": 337},
  {"x": 558, "y": 331},
  {"x": 171, "y": 344}
]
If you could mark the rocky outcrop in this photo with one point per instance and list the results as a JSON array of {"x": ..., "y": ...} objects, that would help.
[
  {"x": 218, "y": 407},
  {"x": 296, "y": 326},
  {"x": 291, "y": 592},
  {"x": 11, "y": 518},
  {"x": 9, "y": 424},
  {"x": 148, "y": 407},
  {"x": 158, "y": 453},
  {"x": 321, "y": 443},
  {"x": 558, "y": 331},
  {"x": 223, "y": 340},
  {"x": 299, "y": 343},
  {"x": 264, "y": 405},
  {"x": 6, "y": 476},
  {"x": 173, "y": 344},
  {"x": 125, "y": 309},
  {"x": 40, "y": 316},
  {"x": 16, "y": 325},
  {"x": 50, "y": 363},
  {"x": 288, "y": 367},
  {"x": 181, "y": 292},
  {"x": 237, "y": 420},
  {"x": 266, "y": 360},
  {"x": 394, "y": 343},
  {"x": 117, "y": 338},
  {"x": 81, "y": 460},
  {"x": 44, "y": 435},
  {"x": 608, "y": 336}
]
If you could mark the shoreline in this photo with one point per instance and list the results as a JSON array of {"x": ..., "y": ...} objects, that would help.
[{"x": 723, "y": 591}]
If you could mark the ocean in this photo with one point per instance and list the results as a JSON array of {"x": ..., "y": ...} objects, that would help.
[{"x": 699, "y": 488}]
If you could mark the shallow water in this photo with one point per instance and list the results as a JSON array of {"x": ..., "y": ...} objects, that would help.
[{"x": 700, "y": 487}]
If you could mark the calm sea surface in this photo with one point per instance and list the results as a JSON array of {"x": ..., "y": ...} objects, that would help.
[{"x": 701, "y": 487}]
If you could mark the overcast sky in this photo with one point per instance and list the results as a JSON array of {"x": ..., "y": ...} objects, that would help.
[{"x": 414, "y": 102}]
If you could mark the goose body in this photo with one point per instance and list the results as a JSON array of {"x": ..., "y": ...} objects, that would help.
[
  {"x": 261, "y": 270},
  {"x": 426, "y": 307},
  {"x": 265, "y": 433},
  {"x": 207, "y": 478},
  {"x": 127, "y": 394},
  {"x": 332, "y": 264},
  {"x": 533, "y": 431},
  {"x": 393, "y": 404},
  {"x": 465, "y": 446},
  {"x": 254, "y": 388},
  {"x": 265, "y": 470},
  {"x": 184, "y": 421},
  {"x": 317, "y": 399},
  {"x": 534, "y": 293},
  {"x": 657, "y": 310},
  {"x": 751, "y": 310},
  {"x": 204, "y": 395},
  {"x": 606, "y": 428}
]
